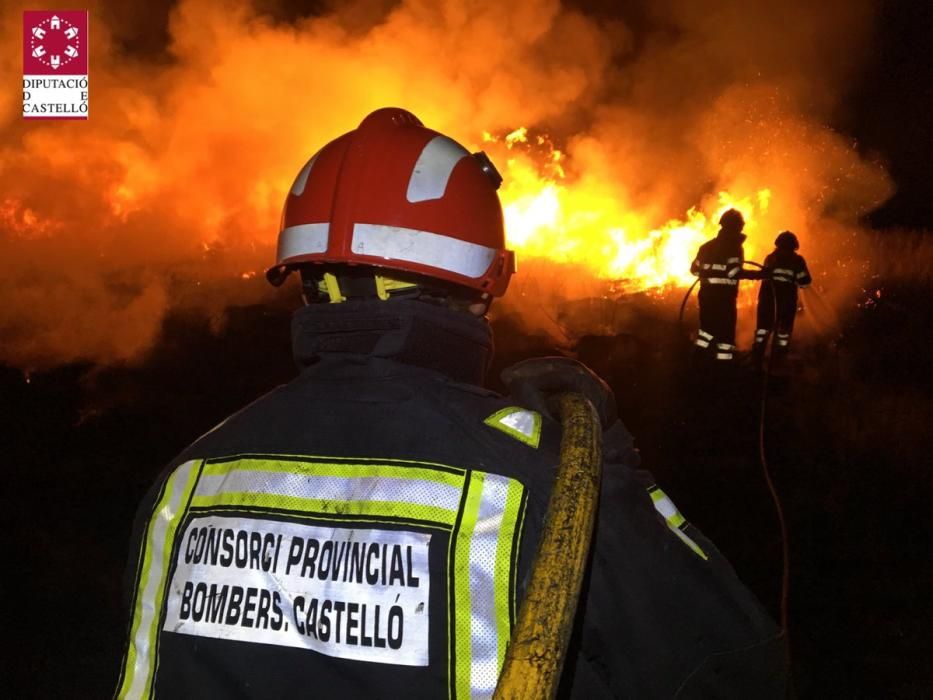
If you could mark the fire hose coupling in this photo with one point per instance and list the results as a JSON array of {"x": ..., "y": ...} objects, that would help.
[{"x": 487, "y": 165}]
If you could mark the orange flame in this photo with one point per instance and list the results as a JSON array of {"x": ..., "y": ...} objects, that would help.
[{"x": 548, "y": 216}]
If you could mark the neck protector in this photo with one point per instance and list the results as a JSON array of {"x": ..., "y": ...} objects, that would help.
[{"x": 414, "y": 332}]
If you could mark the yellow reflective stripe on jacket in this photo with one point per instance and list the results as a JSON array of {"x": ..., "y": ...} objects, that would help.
[
  {"x": 374, "y": 509},
  {"x": 520, "y": 423},
  {"x": 460, "y": 620},
  {"x": 481, "y": 511},
  {"x": 157, "y": 547},
  {"x": 312, "y": 487},
  {"x": 505, "y": 568},
  {"x": 351, "y": 470},
  {"x": 676, "y": 523},
  {"x": 483, "y": 563}
]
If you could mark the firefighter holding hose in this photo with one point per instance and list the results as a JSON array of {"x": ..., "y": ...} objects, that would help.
[
  {"x": 368, "y": 530},
  {"x": 777, "y": 296},
  {"x": 718, "y": 264}
]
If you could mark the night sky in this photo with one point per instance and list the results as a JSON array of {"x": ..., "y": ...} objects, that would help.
[{"x": 890, "y": 110}]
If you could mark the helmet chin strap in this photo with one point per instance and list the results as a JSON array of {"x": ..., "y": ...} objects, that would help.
[{"x": 338, "y": 285}]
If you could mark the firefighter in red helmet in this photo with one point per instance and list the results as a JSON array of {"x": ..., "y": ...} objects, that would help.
[
  {"x": 367, "y": 530},
  {"x": 718, "y": 264},
  {"x": 786, "y": 271}
]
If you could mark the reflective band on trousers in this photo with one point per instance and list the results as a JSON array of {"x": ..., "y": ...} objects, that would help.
[
  {"x": 481, "y": 511},
  {"x": 722, "y": 280}
]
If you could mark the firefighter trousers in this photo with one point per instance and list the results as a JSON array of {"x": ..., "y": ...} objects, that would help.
[
  {"x": 777, "y": 309},
  {"x": 717, "y": 321}
]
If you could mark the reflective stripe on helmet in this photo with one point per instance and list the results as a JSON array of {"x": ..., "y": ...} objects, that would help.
[
  {"x": 422, "y": 247},
  {"x": 298, "y": 187},
  {"x": 432, "y": 170},
  {"x": 303, "y": 239}
]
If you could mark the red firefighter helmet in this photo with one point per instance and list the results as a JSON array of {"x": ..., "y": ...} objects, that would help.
[{"x": 395, "y": 194}]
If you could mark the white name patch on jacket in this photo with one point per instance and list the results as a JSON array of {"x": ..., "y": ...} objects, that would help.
[{"x": 352, "y": 593}]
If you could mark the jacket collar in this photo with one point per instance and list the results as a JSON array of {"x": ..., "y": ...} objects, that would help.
[
  {"x": 409, "y": 331},
  {"x": 731, "y": 237}
]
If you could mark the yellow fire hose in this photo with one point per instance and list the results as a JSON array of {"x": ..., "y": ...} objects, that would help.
[{"x": 535, "y": 655}]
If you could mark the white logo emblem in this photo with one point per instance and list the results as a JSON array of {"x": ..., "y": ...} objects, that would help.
[{"x": 66, "y": 28}]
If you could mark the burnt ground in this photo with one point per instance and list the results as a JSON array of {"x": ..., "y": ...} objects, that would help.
[{"x": 847, "y": 442}]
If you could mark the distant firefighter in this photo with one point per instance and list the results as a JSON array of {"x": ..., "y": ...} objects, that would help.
[
  {"x": 718, "y": 264},
  {"x": 777, "y": 297}
]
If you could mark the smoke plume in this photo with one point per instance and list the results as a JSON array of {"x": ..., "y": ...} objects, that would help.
[{"x": 169, "y": 195}]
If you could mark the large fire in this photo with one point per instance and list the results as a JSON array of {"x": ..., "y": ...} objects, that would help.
[
  {"x": 168, "y": 197},
  {"x": 547, "y": 217}
]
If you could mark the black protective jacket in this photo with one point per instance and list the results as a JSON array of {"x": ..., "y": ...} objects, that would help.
[
  {"x": 777, "y": 295},
  {"x": 718, "y": 262},
  {"x": 367, "y": 530}
]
